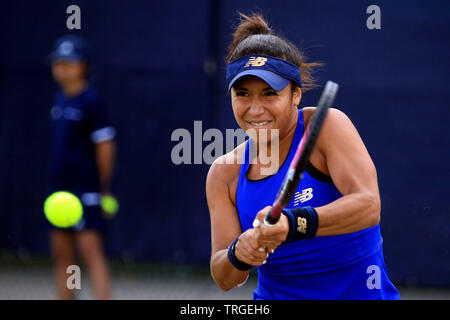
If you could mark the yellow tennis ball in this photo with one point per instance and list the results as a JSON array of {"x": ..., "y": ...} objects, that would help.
[
  {"x": 109, "y": 204},
  {"x": 63, "y": 209}
]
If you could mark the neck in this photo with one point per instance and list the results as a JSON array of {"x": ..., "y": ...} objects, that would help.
[{"x": 72, "y": 89}]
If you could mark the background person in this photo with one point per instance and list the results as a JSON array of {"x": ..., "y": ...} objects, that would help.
[{"x": 82, "y": 163}]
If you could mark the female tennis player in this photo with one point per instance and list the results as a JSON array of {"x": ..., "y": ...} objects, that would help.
[
  {"x": 327, "y": 243},
  {"x": 83, "y": 159}
]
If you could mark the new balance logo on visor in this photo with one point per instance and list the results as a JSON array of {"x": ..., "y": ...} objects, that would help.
[
  {"x": 305, "y": 195},
  {"x": 256, "y": 62}
]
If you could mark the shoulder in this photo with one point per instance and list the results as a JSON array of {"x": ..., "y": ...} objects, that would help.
[
  {"x": 91, "y": 93},
  {"x": 338, "y": 132},
  {"x": 334, "y": 116},
  {"x": 336, "y": 127},
  {"x": 92, "y": 98},
  {"x": 224, "y": 171},
  {"x": 94, "y": 104}
]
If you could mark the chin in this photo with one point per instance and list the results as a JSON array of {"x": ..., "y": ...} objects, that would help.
[{"x": 263, "y": 135}]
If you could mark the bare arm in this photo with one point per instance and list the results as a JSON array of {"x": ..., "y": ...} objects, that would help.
[
  {"x": 105, "y": 154},
  {"x": 225, "y": 227},
  {"x": 353, "y": 172}
]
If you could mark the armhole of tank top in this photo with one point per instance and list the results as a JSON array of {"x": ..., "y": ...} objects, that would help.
[
  {"x": 312, "y": 171},
  {"x": 246, "y": 157},
  {"x": 318, "y": 175},
  {"x": 242, "y": 174}
]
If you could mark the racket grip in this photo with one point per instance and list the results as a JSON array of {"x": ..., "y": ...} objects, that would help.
[{"x": 273, "y": 216}]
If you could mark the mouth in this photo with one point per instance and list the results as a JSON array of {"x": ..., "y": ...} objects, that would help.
[{"x": 259, "y": 124}]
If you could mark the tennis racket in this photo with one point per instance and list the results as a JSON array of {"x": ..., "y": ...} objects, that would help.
[{"x": 304, "y": 150}]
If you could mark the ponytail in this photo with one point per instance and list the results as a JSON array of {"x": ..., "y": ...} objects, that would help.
[{"x": 254, "y": 36}]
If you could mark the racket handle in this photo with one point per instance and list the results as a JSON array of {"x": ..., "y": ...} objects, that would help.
[{"x": 273, "y": 216}]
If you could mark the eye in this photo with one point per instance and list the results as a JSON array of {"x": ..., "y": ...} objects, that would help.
[
  {"x": 241, "y": 93},
  {"x": 271, "y": 93}
]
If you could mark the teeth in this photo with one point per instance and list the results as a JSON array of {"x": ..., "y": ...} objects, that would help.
[{"x": 259, "y": 124}]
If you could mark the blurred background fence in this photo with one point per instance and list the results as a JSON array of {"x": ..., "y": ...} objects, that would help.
[{"x": 160, "y": 66}]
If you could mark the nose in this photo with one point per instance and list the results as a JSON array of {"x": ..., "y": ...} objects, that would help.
[{"x": 256, "y": 107}]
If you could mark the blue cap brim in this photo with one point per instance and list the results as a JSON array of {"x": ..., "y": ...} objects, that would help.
[
  {"x": 64, "y": 57},
  {"x": 275, "y": 81}
]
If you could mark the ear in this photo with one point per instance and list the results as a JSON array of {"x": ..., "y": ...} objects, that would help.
[{"x": 296, "y": 96}]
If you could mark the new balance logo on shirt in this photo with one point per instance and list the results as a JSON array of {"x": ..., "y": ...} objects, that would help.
[
  {"x": 69, "y": 113},
  {"x": 303, "y": 196}
]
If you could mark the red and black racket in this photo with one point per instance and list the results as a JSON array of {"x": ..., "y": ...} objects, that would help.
[{"x": 304, "y": 150}]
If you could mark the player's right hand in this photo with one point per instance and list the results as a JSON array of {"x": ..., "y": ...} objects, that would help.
[{"x": 270, "y": 237}]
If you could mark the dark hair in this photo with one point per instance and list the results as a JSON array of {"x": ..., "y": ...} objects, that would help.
[{"x": 254, "y": 36}]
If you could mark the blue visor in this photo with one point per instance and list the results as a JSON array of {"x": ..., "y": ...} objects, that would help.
[
  {"x": 65, "y": 57},
  {"x": 277, "y": 73}
]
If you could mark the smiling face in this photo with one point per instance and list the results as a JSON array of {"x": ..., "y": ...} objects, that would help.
[{"x": 258, "y": 107}]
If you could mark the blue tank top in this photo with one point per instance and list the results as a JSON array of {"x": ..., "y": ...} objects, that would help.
[{"x": 349, "y": 266}]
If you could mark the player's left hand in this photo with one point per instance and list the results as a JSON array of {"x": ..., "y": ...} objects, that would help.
[{"x": 270, "y": 237}]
